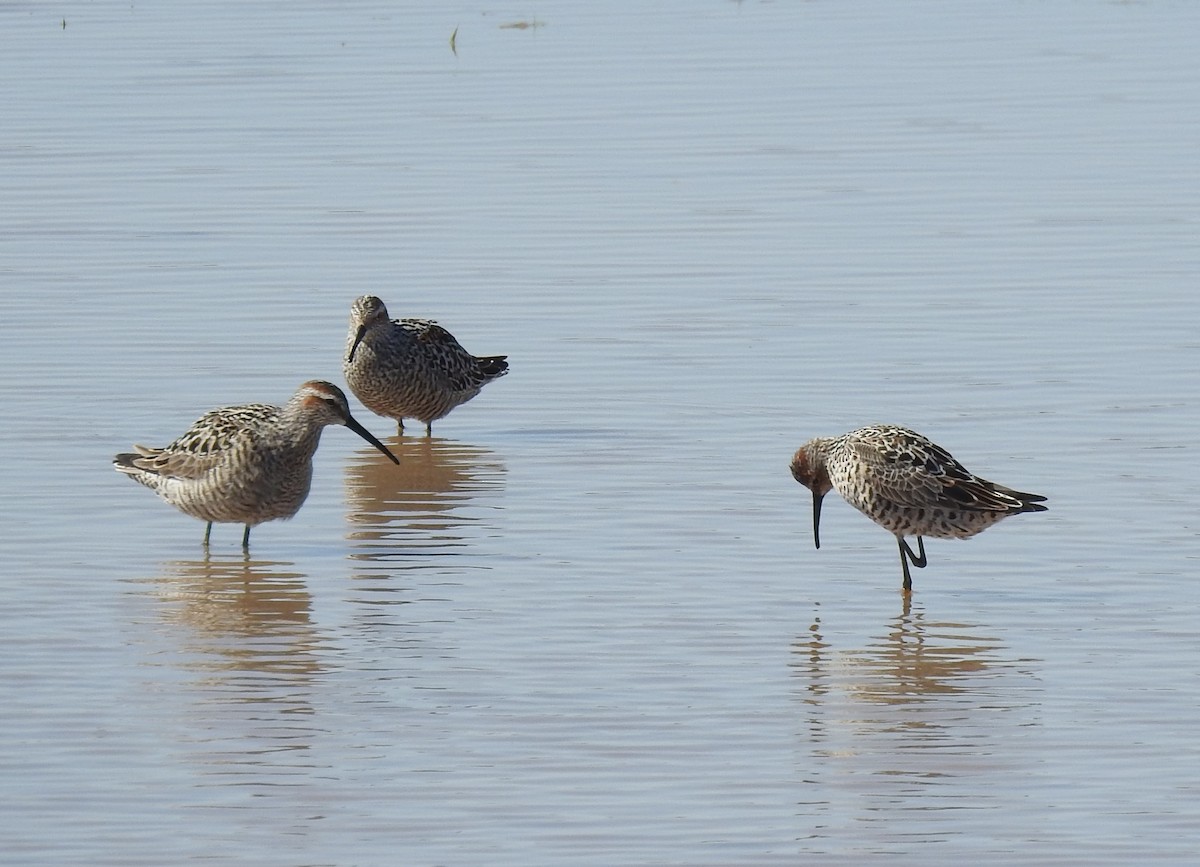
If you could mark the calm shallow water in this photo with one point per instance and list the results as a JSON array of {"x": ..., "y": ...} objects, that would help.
[{"x": 585, "y": 623}]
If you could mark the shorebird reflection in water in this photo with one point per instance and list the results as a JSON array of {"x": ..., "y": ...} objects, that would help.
[
  {"x": 411, "y": 368},
  {"x": 907, "y": 485},
  {"x": 245, "y": 464}
]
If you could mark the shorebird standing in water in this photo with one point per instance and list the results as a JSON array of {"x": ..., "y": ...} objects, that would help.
[
  {"x": 907, "y": 485},
  {"x": 245, "y": 464},
  {"x": 411, "y": 368}
]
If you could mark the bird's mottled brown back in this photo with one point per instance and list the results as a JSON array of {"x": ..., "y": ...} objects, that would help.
[{"x": 914, "y": 487}]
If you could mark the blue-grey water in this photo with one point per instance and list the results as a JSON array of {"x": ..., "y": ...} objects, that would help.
[{"x": 585, "y": 623}]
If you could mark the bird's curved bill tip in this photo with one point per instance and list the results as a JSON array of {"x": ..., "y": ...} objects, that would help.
[{"x": 370, "y": 437}]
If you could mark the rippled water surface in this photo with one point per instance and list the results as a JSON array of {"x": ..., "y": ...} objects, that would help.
[{"x": 585, "y": 622}]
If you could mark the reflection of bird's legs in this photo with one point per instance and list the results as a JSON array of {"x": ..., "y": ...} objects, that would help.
[{"x": 907, "y": 555}]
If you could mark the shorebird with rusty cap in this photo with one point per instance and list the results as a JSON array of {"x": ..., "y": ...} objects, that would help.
[
  {"x": 245, "y": 464},
  {"x": 411, "y": 368},
  {"x": 906, "y": 484}
]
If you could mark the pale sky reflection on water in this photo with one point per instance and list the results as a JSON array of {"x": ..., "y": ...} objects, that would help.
[{"x": 585, "y": 623}]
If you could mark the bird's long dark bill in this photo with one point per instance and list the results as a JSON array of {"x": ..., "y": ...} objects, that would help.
[
  {"x": 369, "y": 437},
  {"x": 817, "y": 500},
  {"x": 362, "y": 329}
]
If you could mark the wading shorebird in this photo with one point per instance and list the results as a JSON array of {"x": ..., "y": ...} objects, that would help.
[
  {"x": 245, "y": 464},
  {"x": 411, "y": 368},
  {"x": 905, "y": 484}
]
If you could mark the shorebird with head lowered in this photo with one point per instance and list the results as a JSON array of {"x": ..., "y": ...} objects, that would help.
[
  {"x": 245, "y": 464},
  {"x": 411, "y": 368},
  {"x": 906, "y": 484}
]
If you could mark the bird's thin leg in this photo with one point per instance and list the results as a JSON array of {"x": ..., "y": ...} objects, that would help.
[
  {"x": 906, "y": 555},
  {"x": 207, "y": 533},
  {"x": 428, "y": 428},
  {"x": 904, "y": 565},
  {"x": 400, "y": 426},
  {"x": 246, "y": 539},
  {"x": 919, "y": 561}
]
